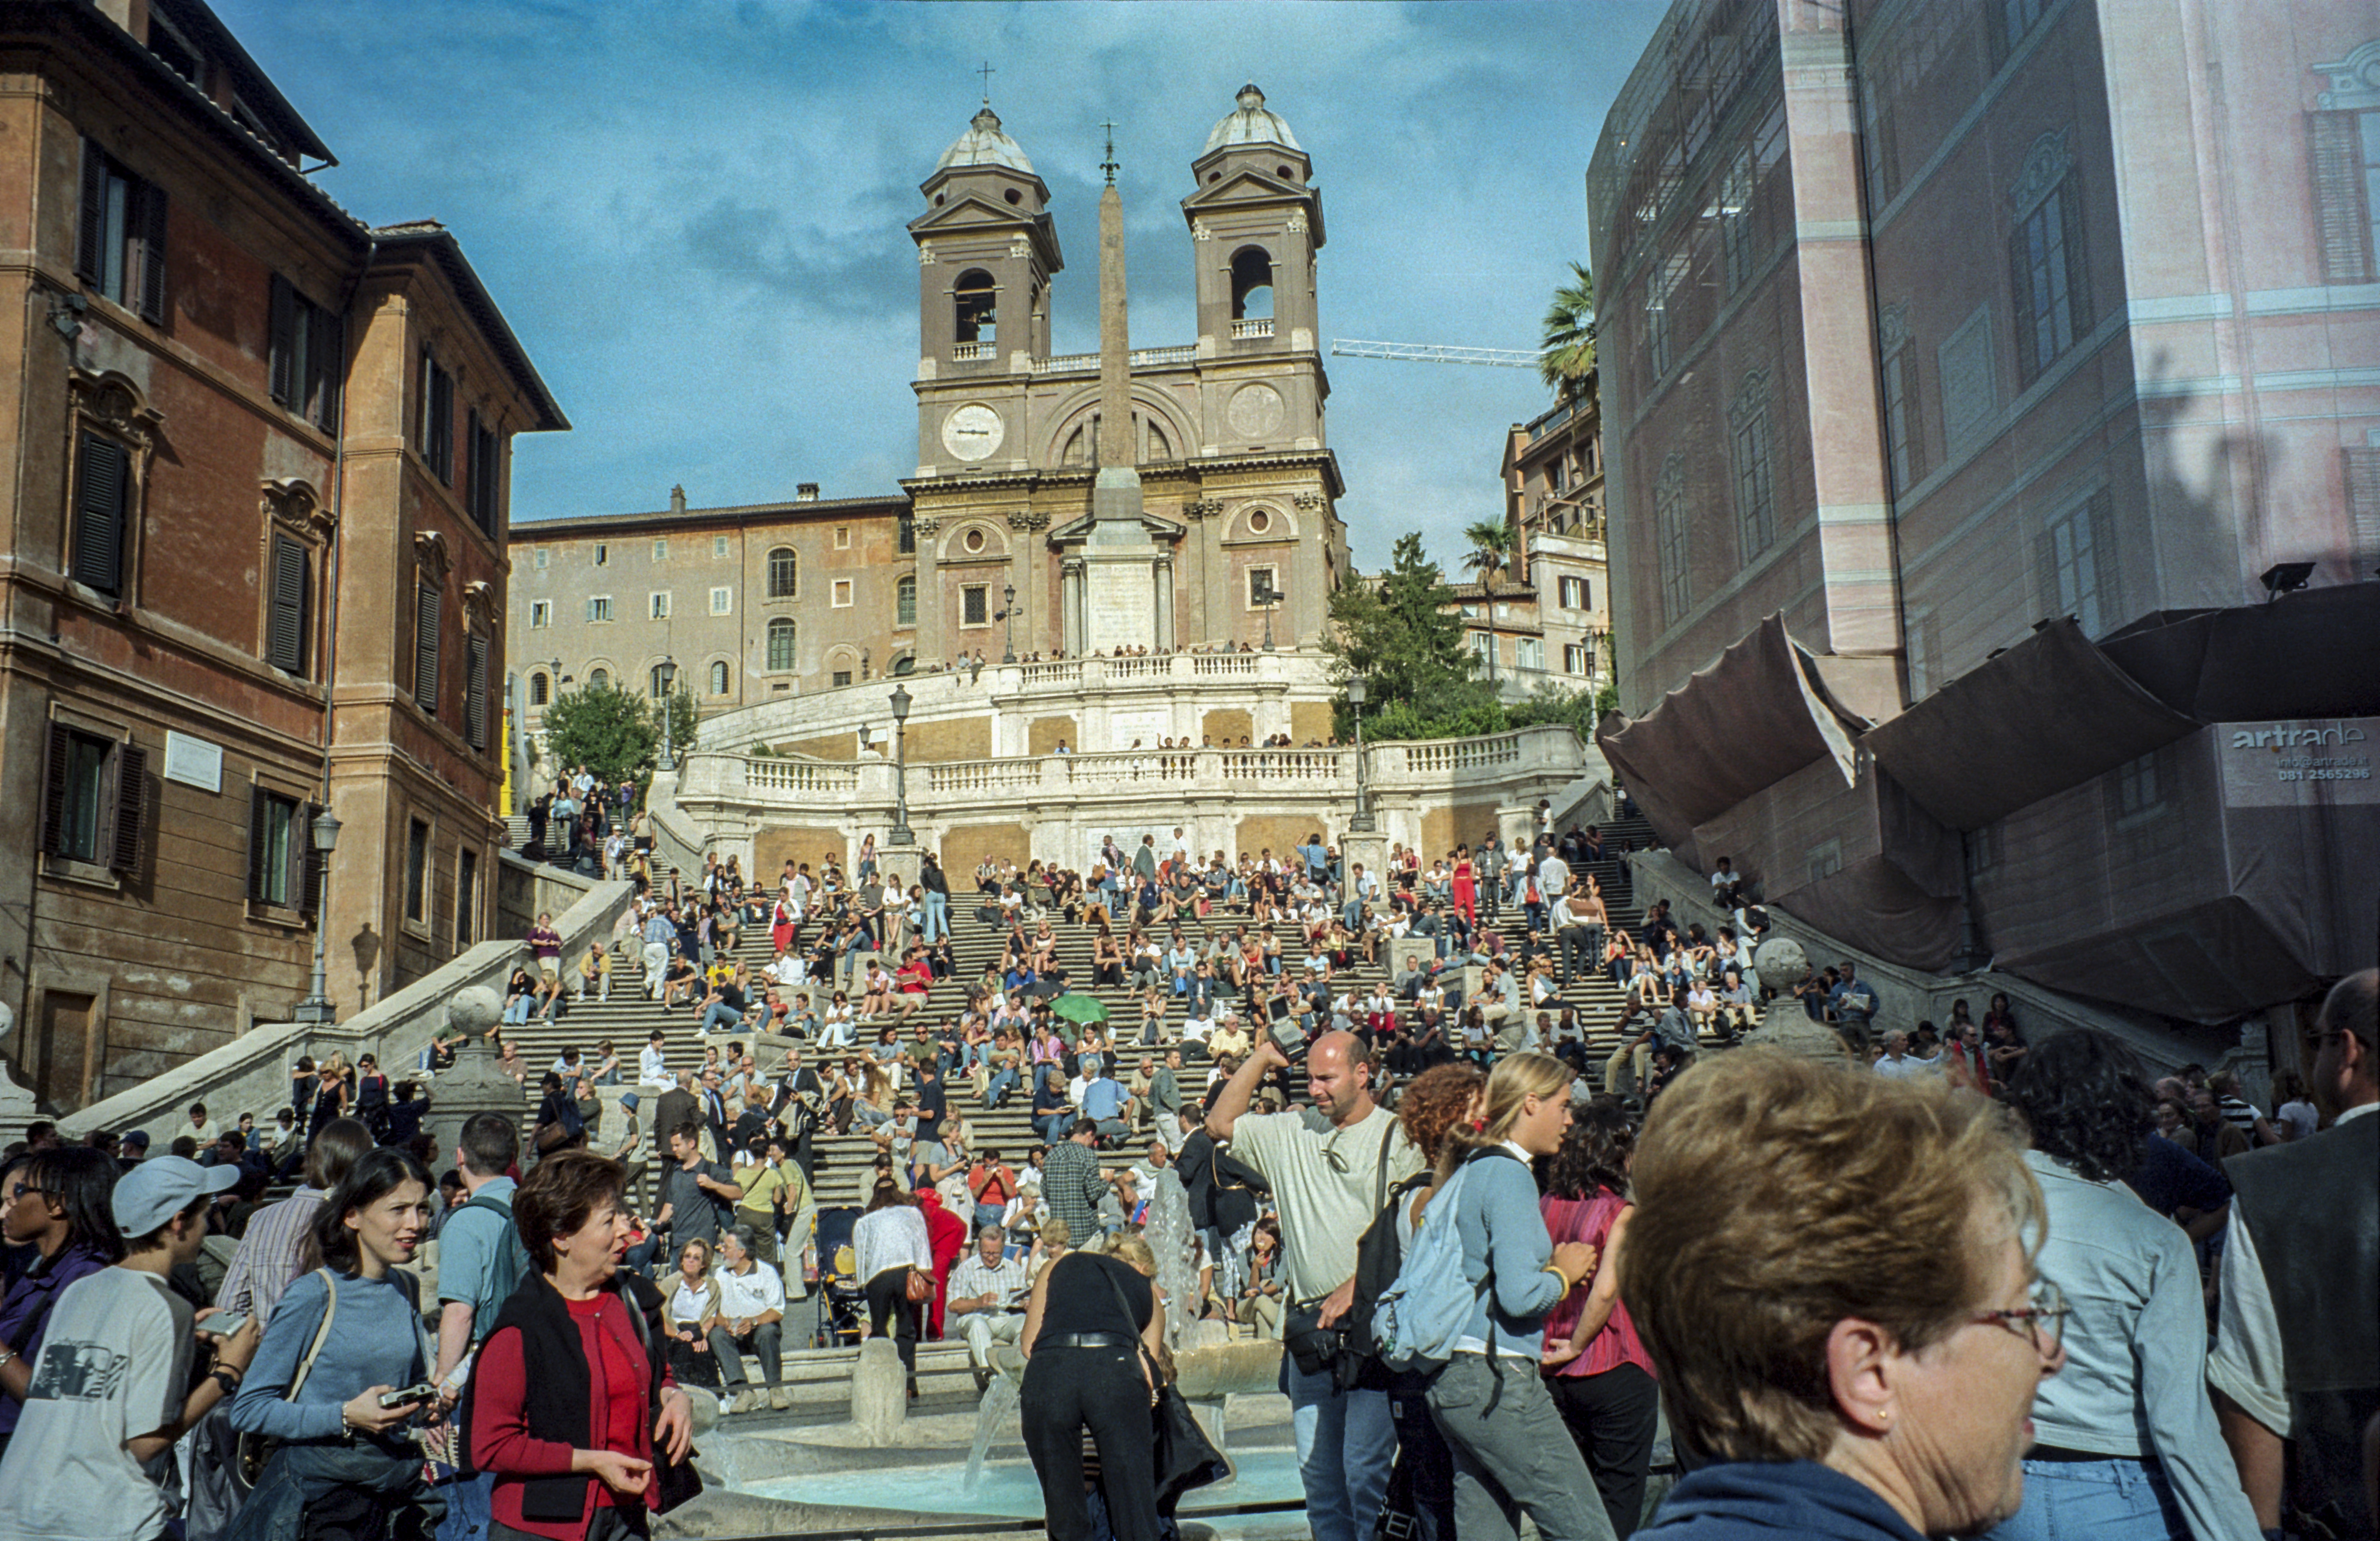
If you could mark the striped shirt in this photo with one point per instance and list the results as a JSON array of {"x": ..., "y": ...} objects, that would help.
[
  {"x": 1006, "y": 1281},
  {"x": 266, "y": 1260}
]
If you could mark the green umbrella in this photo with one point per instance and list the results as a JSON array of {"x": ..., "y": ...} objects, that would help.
[{"x": 1084, "y": 1008}]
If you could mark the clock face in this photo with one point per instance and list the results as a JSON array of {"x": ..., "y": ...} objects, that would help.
[{"x": 973, "y": 431}]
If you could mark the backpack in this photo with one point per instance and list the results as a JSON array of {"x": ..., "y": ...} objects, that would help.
[
  {"x": 1421, "y": 1316},
  {"x": 511, "y": 1261}
]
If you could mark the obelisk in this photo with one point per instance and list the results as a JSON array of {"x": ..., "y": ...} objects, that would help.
[{"x": 1122, "y": 566}]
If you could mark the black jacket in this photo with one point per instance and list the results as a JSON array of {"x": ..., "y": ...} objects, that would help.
[{"x": 557, "y": 1404}]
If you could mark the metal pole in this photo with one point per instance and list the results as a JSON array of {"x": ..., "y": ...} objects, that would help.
[
  {"x": 901, "y": 835},
  {"x": 1362, "y": 822}
]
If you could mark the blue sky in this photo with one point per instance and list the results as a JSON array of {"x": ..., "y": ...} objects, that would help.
[{"x": 693, "y": 213}]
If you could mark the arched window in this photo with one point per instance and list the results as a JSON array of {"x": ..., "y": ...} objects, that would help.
[
  {"x": 977, "y": 304},
  {"x": 599, "y": 679},
  {"x": 658, "y": 684},
  {"x": 784, "y": 573},
  {"x": 904, "y": 666},
  {"x": 541, "y": 689},
  {"x": 781, "y": 645},
  {"x": 719, "y": 678},
  {"x": 905, "y": 603},
  {"x": 1251, "y": 282}
]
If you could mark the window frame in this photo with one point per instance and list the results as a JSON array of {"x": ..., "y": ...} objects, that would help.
[
  {"x": 721, "y": 678},
  {"x": 784, "y": 573},
  {"x": 2051, "y": 271},
  {"x": 844, "y": 594},
  {"x": 541, "y": 614},
  {"x": 1671, "y": 542},
  {"x": 121, "y": 238},
  {"x": 1751, "y": 456},
  {"x": 660, "y": 548},
  {"x": 1271, "y": 571},
  {"x": 905, "y": 601},
  {"x": 781, "y": 626},
  {"x": 723, "y": 600},
  {"x": 117, "y": 796},
  {"x": 541, "y": 689},
  {"x": 483, "y": 478},
  {"x": 601, "y": 612},
  {"x": 289, "y": 592},
  {"x": 434, "y": 433},
  {"x": 288, "y": 880},
  {"x": 466, "y": 897},
  {"x": 428, "y": 640},
  {"x": 657, "y": 605},
  {"x": 421, "y": 840},
  {"x": 106, "y": 570},
  {"x": 307, "y": 350},
  {"x": 975, "y": 597}
]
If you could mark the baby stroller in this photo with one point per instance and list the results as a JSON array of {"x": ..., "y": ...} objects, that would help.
[{"x": 843, "y": 1294}]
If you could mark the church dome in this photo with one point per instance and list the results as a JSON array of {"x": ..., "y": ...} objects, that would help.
[
  {"x": 984, "y": 145},
  {"x": 1252, "y": 124}
]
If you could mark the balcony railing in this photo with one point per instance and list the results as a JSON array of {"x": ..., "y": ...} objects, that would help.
[
  {"x": 1142, "y": 358},
  {"x": 972, "y": 352},
  {"x": 1259, "y": 326}
]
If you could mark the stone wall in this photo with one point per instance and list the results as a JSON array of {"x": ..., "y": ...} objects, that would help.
[
  {"x": 827, "y": 746},
  {"x": 1309, "y": 722},
  {"x": 1282, "y": 831},
  {"x": 966, "y": 845},
  {"x": 1460, "y": 823},
  {"x": 950, "y": 739},
  {"x": 777, "y": 843},
  {"x": 1228, "y": 725},
  {"x": 1042, "y": 735}
]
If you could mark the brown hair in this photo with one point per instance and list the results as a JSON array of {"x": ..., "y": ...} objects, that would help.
[
  {"x": 1439, "y": 1099},
  {"x": 561, "y": 1194},
  {"x": 1777, "y": 1196},
  {"x": 1515, "y": 1078}
]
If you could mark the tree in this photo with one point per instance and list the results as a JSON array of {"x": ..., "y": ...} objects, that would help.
[
  {"x": 1491, "y": 550},
  {"x": 1567, "y": 361},
  {"x": 611, "y": 733},
  {"x": 1405, "y": 636}
]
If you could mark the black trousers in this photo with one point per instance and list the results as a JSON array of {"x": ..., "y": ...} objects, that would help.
[
  {"x": 1611, "y": 1417},
  {"x": 888, "y": 1297},
  {"x": 1067, "y": 1391}
]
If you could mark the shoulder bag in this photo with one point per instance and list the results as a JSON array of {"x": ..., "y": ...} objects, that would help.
[
  {"x": 1185, "y": 1457},
  {"x": 255, "y": 1451}
]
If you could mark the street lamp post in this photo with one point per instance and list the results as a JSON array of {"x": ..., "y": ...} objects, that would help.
[
  {"x": 668, "y": 675},
  {"x": 901, "y": 835},
  {"x": 1267, "y": 596},
  {"x": 1008, "y": 599},
  {"x": 1362, "y": 823},
  {"x": 324, "y": 834}
]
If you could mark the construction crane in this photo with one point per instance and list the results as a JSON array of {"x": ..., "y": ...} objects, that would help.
[{"x": 1432, "y": 353}]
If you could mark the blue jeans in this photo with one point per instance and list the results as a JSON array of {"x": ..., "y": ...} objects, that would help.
[
  {"x": 1003, "y": 1082},
  {"x": 468, "y": 1507},
  {"x": 1346, "y": 1443},
  {"x": 517, "y": 1009},
  {"x": 723, "y": 1014},
  {"x": 937, "y": 922},
  {"x": 2115, "y": 1499}
]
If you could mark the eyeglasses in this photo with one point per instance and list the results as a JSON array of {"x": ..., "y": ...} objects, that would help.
[{"x": 2043, "y": 1321}]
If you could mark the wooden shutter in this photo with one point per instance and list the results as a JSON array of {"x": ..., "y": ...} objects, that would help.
[
  {"x": 428, "y": 606},
  {"x": 53, "y": 789},
  {"x": 475, "y": 691},
  {"x": 147, "y": 260},
  {"x": 259, "y": 808},
  {"x": 326, "y": 367},
  {"x": 285, "y": 628},
  {"x": 126, "y": 805},
  {"x": 90, "y": 246},
  {"x": 100, "y": 498},
  {"x": 305, "y": 864},
  {"x": 2342, "y": 224},
  {"x": 286, "y": 385}
]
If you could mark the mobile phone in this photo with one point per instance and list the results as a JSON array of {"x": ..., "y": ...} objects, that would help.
[
  {"x": 412, "y": 1396},
  {"x": 223, "y": 1323}
]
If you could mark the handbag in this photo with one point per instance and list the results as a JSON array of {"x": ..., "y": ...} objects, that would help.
[
  {"x": 919, "y": 1288},
  {"x": 252, "y": 1452},
  {"x": 1183, "y": 1457}
]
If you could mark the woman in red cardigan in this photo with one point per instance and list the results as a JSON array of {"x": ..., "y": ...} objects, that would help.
[{"x": 572, "y": 1447}]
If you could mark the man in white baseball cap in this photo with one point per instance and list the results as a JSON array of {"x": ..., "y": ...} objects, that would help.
[{"x": 111, "y": 1392}]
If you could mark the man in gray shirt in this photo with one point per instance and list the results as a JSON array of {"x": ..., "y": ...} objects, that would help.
[
  {"x": 1165, "y": 1098},
  {"x": 693, "y": 1191}
]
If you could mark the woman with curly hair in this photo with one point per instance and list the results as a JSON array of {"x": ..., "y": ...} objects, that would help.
[
  {"x": 1438, "y": 1101},
  {"x": 1596, "y": 1366},
  {"x": 2126, "y": 1443}
]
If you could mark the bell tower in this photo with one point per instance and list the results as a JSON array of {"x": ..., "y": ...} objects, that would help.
[
  {"x": 1255, "y": 222},
  {"x": 986, "y": 253}
]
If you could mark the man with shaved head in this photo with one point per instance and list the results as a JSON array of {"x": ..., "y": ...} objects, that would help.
[{"x": 1331, "y": 1166}]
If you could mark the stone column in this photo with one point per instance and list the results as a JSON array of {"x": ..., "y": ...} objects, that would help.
[{"x": 1161, "y": 573}]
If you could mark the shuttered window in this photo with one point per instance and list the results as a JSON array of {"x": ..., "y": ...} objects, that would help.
[
  {"x": 289, "y": 605},
  {"x": 101, "y": 515},
  {"x": 435, "y": 436},
  {"x": 475, "y": 691},
  {"x": 2048, "y": 274},
  {"x": 2345, "y": 150},
  {"x": 282, "y": 867},
  {"x": 428, "y": 608},
  {"x": 308, "y": 356},
  {"x": 120, "y": 245},
  {"x": 484, "y": 480},
  {"x": 2075, "y": 560},
  {"x": 93, "y": 798}
]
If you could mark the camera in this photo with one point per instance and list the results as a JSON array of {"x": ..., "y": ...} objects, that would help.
[{"x": 411, "y": 1396}]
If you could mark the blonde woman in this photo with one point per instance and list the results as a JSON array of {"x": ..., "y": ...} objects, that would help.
[
  {"x": 1512, "y": 1451},
  {"x": 1092, "y": 1335},
  {"x": 692, "y": 1308}
]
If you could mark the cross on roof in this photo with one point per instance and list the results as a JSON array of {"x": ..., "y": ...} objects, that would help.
[
  {"x": 1108, "y": 165},
  {"x": 987, "y": 72}
]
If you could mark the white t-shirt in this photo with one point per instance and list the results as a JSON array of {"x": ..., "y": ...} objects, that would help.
[
  {"x": 1323, "y": 1208},
  {"x": 115, "y": 1365},
  {"x": 749, "y": 1295}
]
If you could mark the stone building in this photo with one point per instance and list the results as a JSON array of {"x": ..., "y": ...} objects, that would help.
[
  {"x": 1238, "y": 486},
  {"x": 259, "y": 453},
  {"x": 1974, "y": 373},
  {"x": 1553, "y": 501}
]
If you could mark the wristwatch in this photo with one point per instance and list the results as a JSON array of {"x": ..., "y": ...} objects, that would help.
[{"x": 227, "y": 1378}]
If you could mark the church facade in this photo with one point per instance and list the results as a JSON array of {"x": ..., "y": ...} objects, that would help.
[{"x": 993, "y": 543}]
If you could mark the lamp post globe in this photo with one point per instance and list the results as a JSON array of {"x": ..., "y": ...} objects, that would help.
[
  {"x": 900, "y": 835},
  {"x": 1357, "y": 692},
  {"x": 1008, "y": 614}
]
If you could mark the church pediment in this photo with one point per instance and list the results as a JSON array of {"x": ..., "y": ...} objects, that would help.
[
  {"x": 1249, "y": 186},
  {"x": 1074, "y": 530},
  {"x": 971, "y": 214}
]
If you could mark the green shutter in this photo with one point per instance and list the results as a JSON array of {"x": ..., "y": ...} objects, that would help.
[
  {"x": 286, "y": 630},
  {"x": 101, "y": 498},
  {"x": 128, "y": 804},
  {"x": 90, "y": 246},
  {"x": 282, "y": 372},
  {"x": 428, "y": 608},
  {"x": 147, "y": 261}
]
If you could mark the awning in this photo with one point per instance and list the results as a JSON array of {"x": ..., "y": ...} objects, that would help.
[
  {"x": 2314, "y": 653},
  {"x": 1749, "y": 720},
  {"x": 2048, "y": 714}
]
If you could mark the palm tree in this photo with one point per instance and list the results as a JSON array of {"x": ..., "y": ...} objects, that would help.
[
  {"x": 1567, "y": 361},
  {"x": 1491, "y": 549}
]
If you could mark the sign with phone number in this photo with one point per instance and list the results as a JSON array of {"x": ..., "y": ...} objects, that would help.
[{"x": 2311, "y": 763}]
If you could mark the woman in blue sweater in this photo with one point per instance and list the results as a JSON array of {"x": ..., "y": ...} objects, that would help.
[
  {"x": 345, "y": 1464},
  {"x": 1512, "y": 1451}
]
